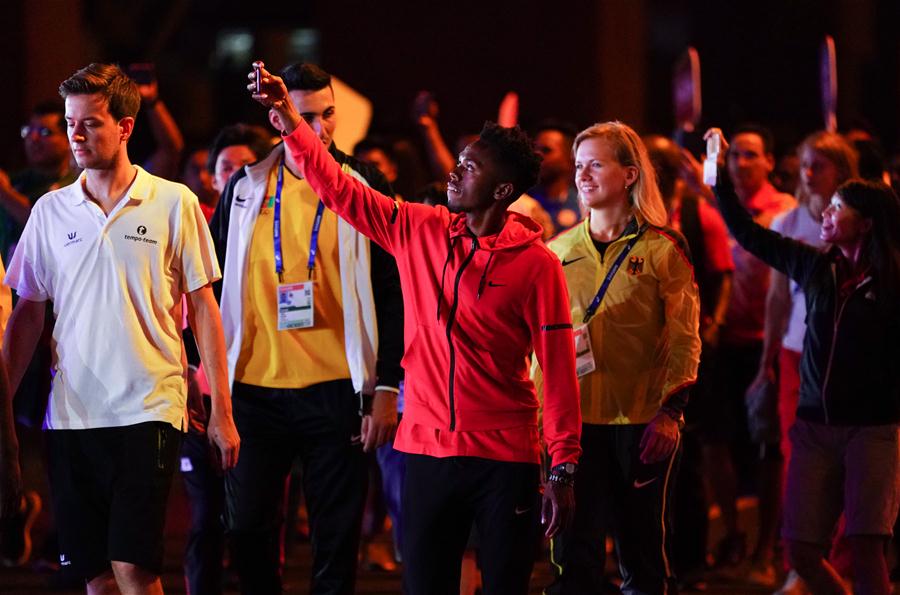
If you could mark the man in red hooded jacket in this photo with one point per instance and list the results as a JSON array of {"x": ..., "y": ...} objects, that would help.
[{"x": 480, "y": 292}]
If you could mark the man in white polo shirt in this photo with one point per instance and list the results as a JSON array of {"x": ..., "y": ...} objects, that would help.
[{"x": 115, "y": 252}]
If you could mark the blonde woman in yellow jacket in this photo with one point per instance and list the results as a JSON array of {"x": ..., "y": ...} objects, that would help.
[{"x": 635, "y": 309}]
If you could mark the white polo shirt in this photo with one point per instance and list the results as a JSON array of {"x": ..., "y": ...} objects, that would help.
[
  {"x": 798, "y": 224},
  {"x": 116, "y": 284}
]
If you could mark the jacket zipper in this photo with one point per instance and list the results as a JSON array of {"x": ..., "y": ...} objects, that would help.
[
  {"x": 837, "y": 322},
  {"x": 451, "y": 318}
]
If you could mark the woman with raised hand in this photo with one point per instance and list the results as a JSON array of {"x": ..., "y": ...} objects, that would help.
[
  {"x": 636, "y": 311},
  {"x": 845, "y": 446},
  {"x": 826, "y": 162}
]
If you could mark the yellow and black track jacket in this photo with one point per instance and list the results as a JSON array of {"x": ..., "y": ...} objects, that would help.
[{"x": 645, "y": 334}]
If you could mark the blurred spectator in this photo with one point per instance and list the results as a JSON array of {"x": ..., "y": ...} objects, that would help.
[
  {"x": 425, "y": 114},
  {"x": 707, "y": 239},
  {"x": 412, "y": 173},
  {"x": 167, "y": 139},
  {"x": 872, "y": 165},
  {"x": 749, "y": 164},
  {"x": 786, "y": 176},
  {"x": 195, "y": 176},
  {"x": 555, "y": 190},
  {"x": 49, "y": 167},
  {"x": 379, "y": 153},
  {"x": 234, "y": 147}
]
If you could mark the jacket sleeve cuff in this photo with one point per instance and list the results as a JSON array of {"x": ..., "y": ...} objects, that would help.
[{"x": 677, "y": 400}]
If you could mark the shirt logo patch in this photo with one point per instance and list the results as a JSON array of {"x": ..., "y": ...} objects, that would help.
[
  {"x": 635, "y": 265},
  {"x": 73, "y": 238},
  {"x": 566, "y": 263},
  {"x": 142, "y": 231}
]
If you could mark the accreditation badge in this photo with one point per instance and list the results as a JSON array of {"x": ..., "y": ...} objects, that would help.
[
  {"x": 584, "y": 354},
  {"x": 295, "y": 306}
]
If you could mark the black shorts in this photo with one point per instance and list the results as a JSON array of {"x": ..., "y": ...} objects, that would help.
[{"x": 110, "y": 487}]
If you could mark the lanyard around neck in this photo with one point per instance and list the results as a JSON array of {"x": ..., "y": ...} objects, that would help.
[
  {"x": 595, "y": 303},
  {"x": 276, "y": 230}
]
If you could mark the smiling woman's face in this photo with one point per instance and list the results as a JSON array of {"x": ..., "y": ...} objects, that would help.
[
  {"x": 842, "y": 224},
  {"x": 601, "y": 180}
]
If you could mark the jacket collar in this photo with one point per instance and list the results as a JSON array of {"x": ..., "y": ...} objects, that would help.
[{"x": 631, "y": 228}]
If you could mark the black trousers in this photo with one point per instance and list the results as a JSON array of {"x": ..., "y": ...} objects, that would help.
[
  {"x": 205, "y": 489},
  {"x": 616, "y": 493},
  {"x": 321, "y": 425},
  {"x": 441, "y": 499}
]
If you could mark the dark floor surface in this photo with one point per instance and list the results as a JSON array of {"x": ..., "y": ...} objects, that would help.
[{"x": 29, "y": 580}]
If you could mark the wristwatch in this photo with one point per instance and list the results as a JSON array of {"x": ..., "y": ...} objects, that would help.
[{"x": 563, "y": 474}]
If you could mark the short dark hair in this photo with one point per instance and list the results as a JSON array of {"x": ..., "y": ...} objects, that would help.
[
  {"x": 567, "y": 129},
  {"x": 120, "y": 92},
  {"x": 515, "y": 153},
  {"x": 872, "y": 163},
  {"x": 52, "y": 107},
  {"x": 304, "y": 76},
  {"x": 255, "y": 137},
  {"x": 759, "y": 130},
  {"x": 877, "y": 202},
  {"x": 665, "y": 156}
]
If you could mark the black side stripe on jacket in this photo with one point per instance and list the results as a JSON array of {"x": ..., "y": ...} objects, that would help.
[{"x": 555, "y": 327}]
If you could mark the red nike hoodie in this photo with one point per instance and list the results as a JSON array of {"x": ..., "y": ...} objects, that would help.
[{"x": 475, "y": 309}]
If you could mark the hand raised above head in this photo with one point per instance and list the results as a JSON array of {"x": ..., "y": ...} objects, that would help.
[
  {"x": 723, "y": 144},
  {"x": 273, "y": 94}
]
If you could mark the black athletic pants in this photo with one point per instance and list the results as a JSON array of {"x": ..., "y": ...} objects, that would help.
[
  {"x": 616, "y": 493},
  {"x": 205, "y": 489},
  {"x": 320, "y": 424},
  {"x": 441, "y": 499}
]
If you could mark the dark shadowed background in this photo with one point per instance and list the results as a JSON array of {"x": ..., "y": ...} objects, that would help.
[{"x": 581, "y": 60}]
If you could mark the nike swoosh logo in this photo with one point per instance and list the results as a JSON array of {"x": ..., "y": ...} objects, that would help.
[
  {"x": 356, "y": 439},
  {"x": 520, "y": 511},
  {"x": 492, "y": 284},
  {"x": 566, "y": 263},
  {"x": 639, "y": 484}
]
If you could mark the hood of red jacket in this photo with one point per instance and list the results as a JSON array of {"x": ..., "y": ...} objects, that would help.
[{"x": 519, "y": 230}]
